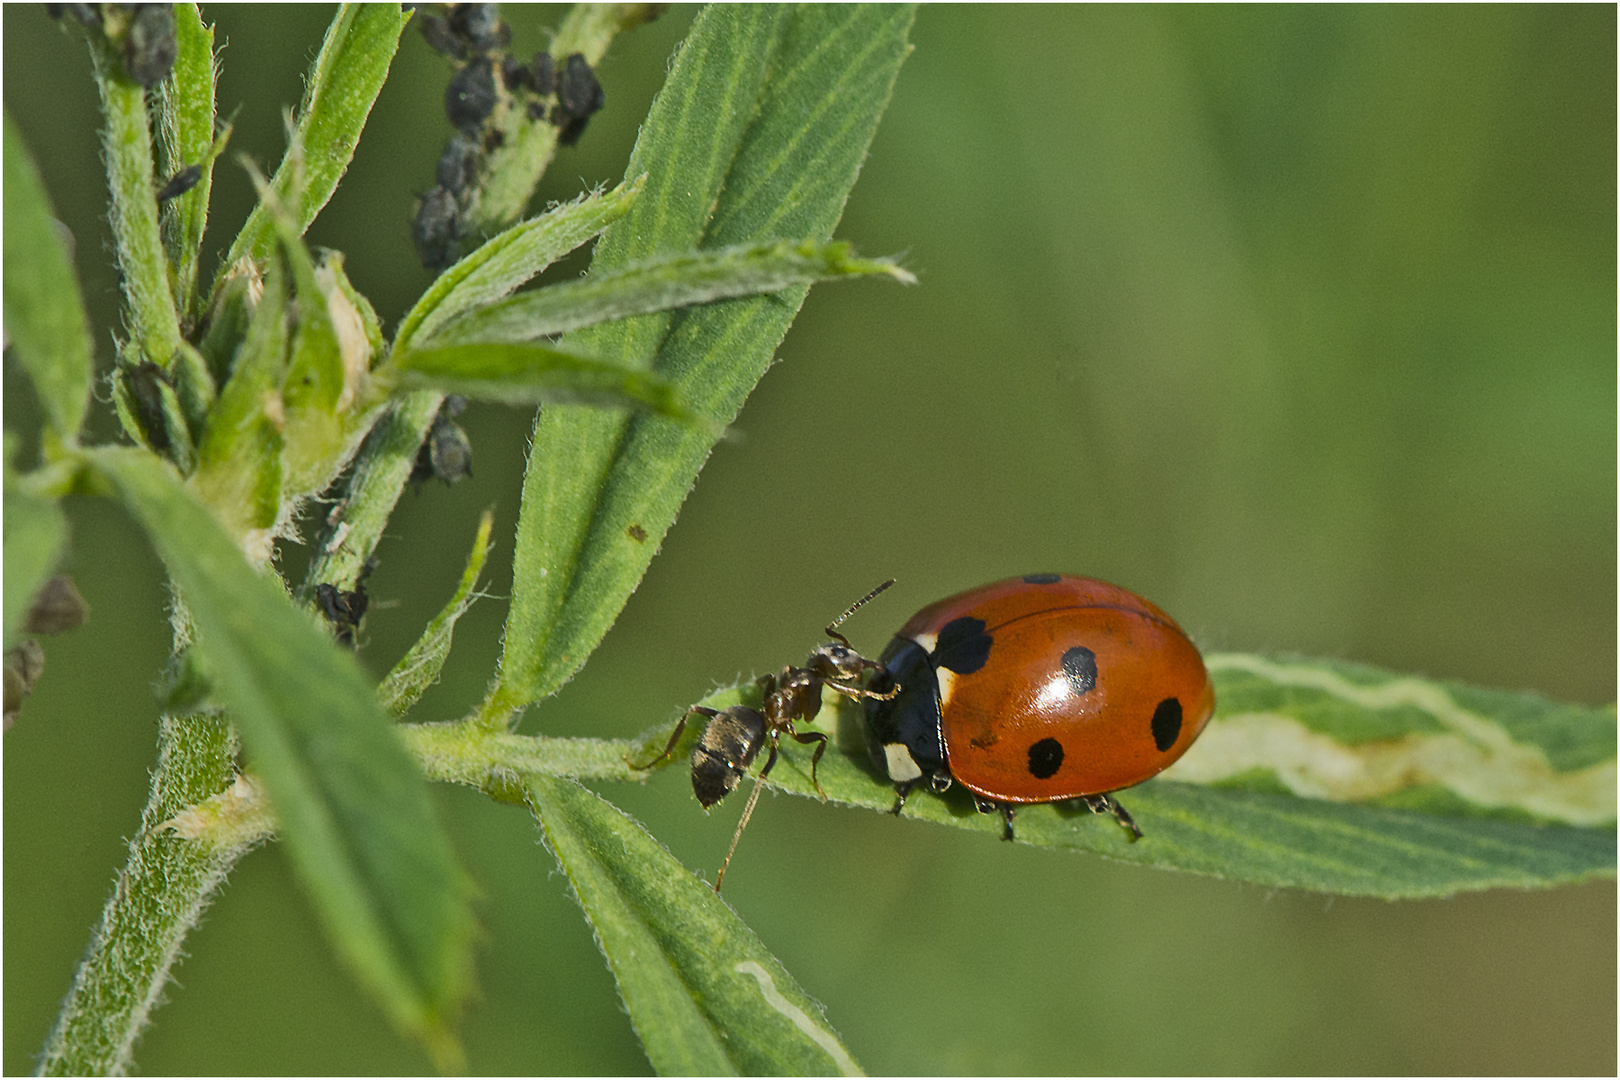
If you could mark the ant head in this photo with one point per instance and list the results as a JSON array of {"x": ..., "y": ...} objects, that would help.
[{"x": 837, "y": 659}]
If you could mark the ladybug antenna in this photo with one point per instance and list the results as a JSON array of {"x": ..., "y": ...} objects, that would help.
[{"x": 853, "y": 608}]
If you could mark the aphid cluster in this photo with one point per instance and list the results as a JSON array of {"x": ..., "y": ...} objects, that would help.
[
  {"x": 144, "y": 34},
  {"x": 488, "y": 82},
  {"x": 1047, "y": 688}
]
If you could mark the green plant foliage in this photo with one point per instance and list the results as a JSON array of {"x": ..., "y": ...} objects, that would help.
[
  {"x": 1254, "y": 801},
  {"x": 526, "y": 374},
  {"x": 35, "y": 529},
  {"x": 350, "y": 70},
  {"x": 732, "y": 112},
  {"x": 419, "y": 668},
  {"x": 187, "y": 138},
  {"x": 506, "y": 261},
  {"x": 664, "y": 284},
  {"x": 704, "y": 995},
  {"x": 45, "y": 317},
  {"x": 352, "y": 805}
]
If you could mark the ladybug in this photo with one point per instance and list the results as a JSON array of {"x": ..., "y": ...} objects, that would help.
[
  {"x": 733, "y": 737},
  {"x": 1036, "y": 689}
]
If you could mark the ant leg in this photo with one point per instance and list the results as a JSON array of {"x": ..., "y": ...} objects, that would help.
[
  {"x": 858, "y": 692},
  {"x": 1107, "y": 804},
  {"x": 748, "y": 812},
  {"x": 673, "y": 738},
  {"x": 813, "y": 737}
]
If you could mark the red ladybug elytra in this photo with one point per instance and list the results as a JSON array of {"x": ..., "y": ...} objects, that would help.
[{"x": 1037, "y": 689}]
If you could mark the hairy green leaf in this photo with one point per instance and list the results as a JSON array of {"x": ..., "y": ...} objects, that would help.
[
  {"x": 662, "y": 284},
  {"x": 348, "y": 73},
  {"x": 1316, "y": 775},
  {"x": 186, "y": 138},
  {"x": 507, "y": 261},
  {"x": 44, "y": 310},
  {"x": 703, "y": 994},
  {"x": 35, "y": 530},
  {"x": 758, "y": 134},
  {"x": 523, "y": 373},
  {"x": 419, "y": 668},
  {"x": 353, "y": 807}
]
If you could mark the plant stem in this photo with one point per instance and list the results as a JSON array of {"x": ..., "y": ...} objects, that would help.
[
  {"x": 128, "y": 146},
  {"x": 158, "y": 898}
]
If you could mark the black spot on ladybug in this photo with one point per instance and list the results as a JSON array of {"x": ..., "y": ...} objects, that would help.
[
  {"x": 1080, "y": 668},
  {"x": 1041, "y": 579},
  {"x": 1166, "y": 724},
  {"x": 1045, "y": 758},
  {"x": 962, "y": 646}
]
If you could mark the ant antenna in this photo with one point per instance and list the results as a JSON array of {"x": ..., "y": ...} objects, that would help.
[{"x": 853, "y": 608}]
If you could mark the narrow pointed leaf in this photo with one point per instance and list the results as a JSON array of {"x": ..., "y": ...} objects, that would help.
[
  {"x": 663, "y": 284},
  {"x": 526, "y": 374},
  {"x": 419, "y": 668},
  {"x": 811, "y": 83},
  {"x": 703, "y": 994},
  {"x": 348, "y": 73},
  {"x": 44, "y": 309},
  {"x": 506, "y": 261},
  {"x": 186, "y": 131},
  {"x": 1320, "y": 775},
  {"x": 353, "y": 808}
]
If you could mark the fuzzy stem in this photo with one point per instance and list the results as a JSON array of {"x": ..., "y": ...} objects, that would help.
[
  {"x": 127, "y": 143},
  {"x": 159, "y": 896}
]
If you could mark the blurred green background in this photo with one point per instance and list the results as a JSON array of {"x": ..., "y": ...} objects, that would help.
[{"x": 1300, "y": 322}]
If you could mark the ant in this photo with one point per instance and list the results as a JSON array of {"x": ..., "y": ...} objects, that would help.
[{"x": 734, "y": 737}]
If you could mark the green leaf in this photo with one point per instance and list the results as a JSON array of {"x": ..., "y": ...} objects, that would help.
[
  {"x": 526, "y": 374},
  {"x": 350, "y": 70},
  {"x": 35, "y": 530},
  {"x": 704, "y": 995},
  {"x": 239, "y": 461},
  {"x": 1436, "y": 788},
  {"x": 353, "y": 808},
  {"x": 507, "y": 261},
  {"x": 44, "y": 310},
  {"x": 662, "y": 284},
  {"x": 758, "y": 134},
  {"x": 186, "y": 137},
  {"x": 419, "y": 668}
]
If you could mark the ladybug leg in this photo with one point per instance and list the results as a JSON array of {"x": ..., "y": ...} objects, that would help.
[
  {"x": 990, "y": 806},
  {"x": 674, "y": 737},
  {"x": 1107, "y": 804},
  {"x": 821, "y": 740},
  {"x": 901, "y": 791}
]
